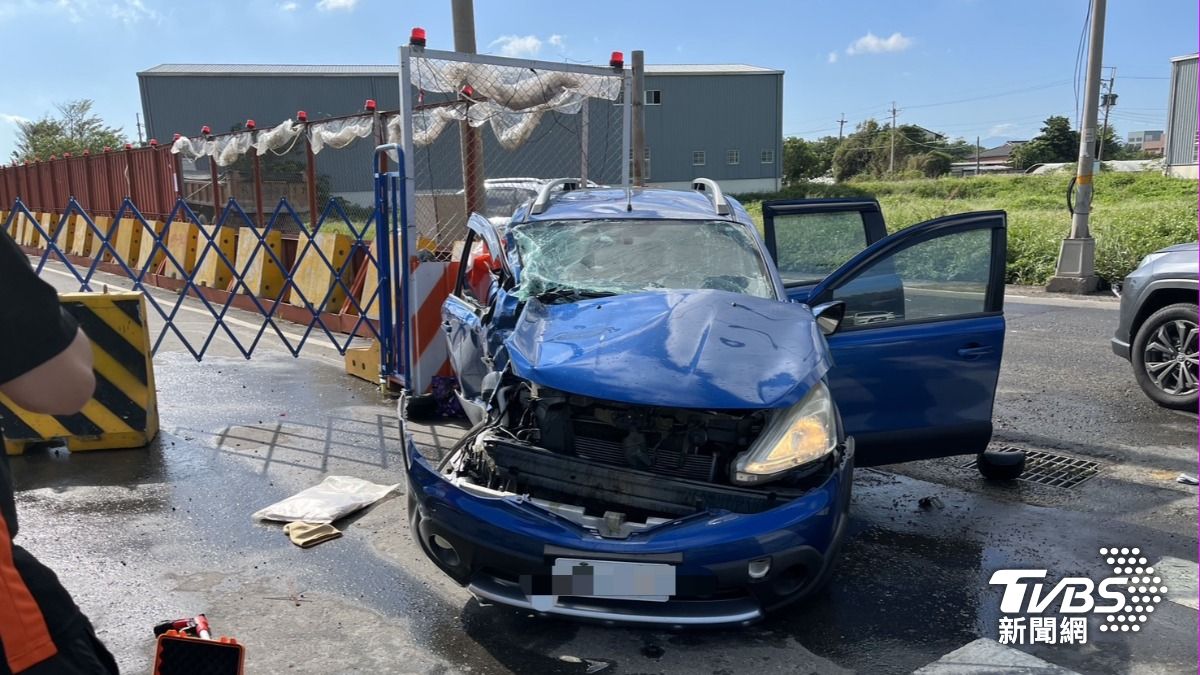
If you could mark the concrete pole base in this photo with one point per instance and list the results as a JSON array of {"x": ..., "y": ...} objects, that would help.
[{"x": 1076, "y": 271}]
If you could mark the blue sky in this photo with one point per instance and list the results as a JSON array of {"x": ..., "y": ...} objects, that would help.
[{"x": 1012, "y": 60}]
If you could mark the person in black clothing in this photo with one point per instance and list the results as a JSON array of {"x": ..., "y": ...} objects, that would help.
[{"x": 45, "y": 367}]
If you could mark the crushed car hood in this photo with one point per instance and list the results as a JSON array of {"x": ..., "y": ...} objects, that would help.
[{"x": 682, "y": 349}]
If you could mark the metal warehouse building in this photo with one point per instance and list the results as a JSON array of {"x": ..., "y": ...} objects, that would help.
[
  {"x": 723, "y": 122},
  {"x": 1183, "y": 139}
]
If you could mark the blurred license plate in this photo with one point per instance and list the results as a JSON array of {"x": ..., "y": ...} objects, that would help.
[{"x": 606, "y": 579}]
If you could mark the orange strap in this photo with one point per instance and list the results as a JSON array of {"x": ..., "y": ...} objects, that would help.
[{"x": 23, "y": 629}]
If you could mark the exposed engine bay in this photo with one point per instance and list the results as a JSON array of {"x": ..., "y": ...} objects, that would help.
[{"x": 616, "y": 467}]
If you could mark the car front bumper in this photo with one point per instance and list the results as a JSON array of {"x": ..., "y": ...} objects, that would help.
[
  {"x": 503, "y": 548},
  {"x": 1121, "y": 348}
]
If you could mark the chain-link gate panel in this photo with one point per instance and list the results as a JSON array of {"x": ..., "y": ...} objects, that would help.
[{"x": 482, "y": 134}]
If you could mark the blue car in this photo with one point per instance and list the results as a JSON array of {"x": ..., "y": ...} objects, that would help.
[{"x": 667, "y": 407}]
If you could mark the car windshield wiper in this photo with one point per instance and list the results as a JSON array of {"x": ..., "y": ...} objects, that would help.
[{"x": 571, "y": 294}]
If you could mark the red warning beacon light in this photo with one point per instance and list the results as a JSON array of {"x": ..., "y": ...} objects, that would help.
[{"x": 417, "y": 38}]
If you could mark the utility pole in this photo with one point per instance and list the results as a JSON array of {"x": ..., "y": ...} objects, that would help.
[
  {"x": 1108, "y": 100},
  {"x": 463, "y": 12},
  {"x": 1076, "y": 271},
  {"x": 138, "y": 117},
  {"x": 841, "y": 123},
  {"x": 976, "y": 155},
  {"x": 638, "y": 110},
  {"x": 892, "y": 159}
]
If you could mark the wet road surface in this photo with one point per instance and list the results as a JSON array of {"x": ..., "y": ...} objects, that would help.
[{"x": 146, "y": 535}]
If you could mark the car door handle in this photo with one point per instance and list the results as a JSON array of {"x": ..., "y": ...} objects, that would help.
[{"x": 974, "y": 351}]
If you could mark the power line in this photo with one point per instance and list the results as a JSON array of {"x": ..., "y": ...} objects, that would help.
[
  {"x": 1011, "y": 92},
  {"x": 1079, "y": 58}
]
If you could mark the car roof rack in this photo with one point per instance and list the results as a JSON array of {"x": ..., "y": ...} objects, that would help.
[
  {"x": 543, "y": 197},
  {"x": 710, "y": 187}
]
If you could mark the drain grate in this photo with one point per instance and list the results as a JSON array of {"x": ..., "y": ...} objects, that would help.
[{"x": 1045, "y": 468}]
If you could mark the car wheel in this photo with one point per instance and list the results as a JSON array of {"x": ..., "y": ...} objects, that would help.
[
  {"x": 1006, "y": 464},
  {"x": 1164, "y": 356}
]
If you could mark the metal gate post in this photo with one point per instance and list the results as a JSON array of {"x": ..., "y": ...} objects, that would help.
[
  {"x": 391, "y": 224},
  {"x": 383, "y": 269},
  {"x": 408, "y": 239}
]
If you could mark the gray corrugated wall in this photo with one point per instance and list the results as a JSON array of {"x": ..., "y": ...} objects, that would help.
[
  {"x": 1181, "y": 127},
  {"x": 699, "y": 112},
  {"x": 184, "y": 103},
  {"x": 713, "y": 113}
]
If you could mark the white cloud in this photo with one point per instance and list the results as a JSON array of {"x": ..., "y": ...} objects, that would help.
[
  {"x": 833, "y": 57},
  {"x": 519, "y": 46},
  {"x": 873, "y": 44},
  {"x": 128, "y": 12},
  {"x": 336, "y": 5},
  {"x": 132, "y": 11},
  {"x": 555, "y": 40},
  {"x": 289, "y": 6},
  {"x": 13, "y": 119},
  {"x": 1002, "y": 129}
]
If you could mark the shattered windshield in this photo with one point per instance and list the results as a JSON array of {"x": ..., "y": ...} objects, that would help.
[{"x": 608, "y": 257}]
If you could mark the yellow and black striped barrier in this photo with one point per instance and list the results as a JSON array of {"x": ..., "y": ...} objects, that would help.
[{"x": 123, "y": 413}]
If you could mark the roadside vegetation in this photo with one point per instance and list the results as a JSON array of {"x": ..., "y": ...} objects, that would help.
[{"x": 1132, "y": 213}]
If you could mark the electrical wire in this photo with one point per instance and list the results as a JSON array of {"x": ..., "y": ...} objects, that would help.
[
  {"x": 1087, "y": 17},
  {"x": 1011, "y": 92}
]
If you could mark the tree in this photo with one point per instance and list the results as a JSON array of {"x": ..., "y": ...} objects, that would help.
[
  {"x": 74, "y": 130},
  {"x": 803, "y": 159},
  {"x": 1113, "y": 148},
  {"x": 934, "y": 164},
  {"x": 857, "y": 151},
  {"x": 1057, "y": 143},
  {"x": 798, "y": 160}
]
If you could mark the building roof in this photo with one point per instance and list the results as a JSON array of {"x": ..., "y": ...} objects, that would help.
[
  {"x": 709, "y": 69},
  {"x": 931, "y": 132},
  {"x": 1001, "y": 150},
  {"x": 1186, "y": 57},
  {"x": 267, "y": 69},
  {"x": 225, "y": 69}
]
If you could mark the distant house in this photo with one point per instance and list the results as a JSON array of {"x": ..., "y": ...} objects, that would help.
[
  {"x": 927, "y": 135},
  {"x": 1150, "y": 141},
  {"x": 991, "y": 160},
  {"x": 1001, "y": 154}
]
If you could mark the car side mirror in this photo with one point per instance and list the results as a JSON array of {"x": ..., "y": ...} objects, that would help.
[{"x": 829, "y": 316}]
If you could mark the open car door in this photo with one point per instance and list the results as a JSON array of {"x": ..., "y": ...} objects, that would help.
[
  {"x": 918, "y": 379},
  {"x": 810, "y": 238},
  {"x": 481, "y": 268}
]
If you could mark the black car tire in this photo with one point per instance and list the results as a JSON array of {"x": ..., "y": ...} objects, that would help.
[
  {"x": 1001, "y": 464},
  {"x": 420, "y": 408},
  {"x": 1182, "y": 311}
]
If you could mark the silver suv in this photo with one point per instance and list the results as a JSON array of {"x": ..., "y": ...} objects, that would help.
[{"x": 1157, "y": 331}]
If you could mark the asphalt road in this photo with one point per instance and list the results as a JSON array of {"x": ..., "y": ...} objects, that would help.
[{"x": 145, "y": 535}]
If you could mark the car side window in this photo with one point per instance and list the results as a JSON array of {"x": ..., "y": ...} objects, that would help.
[
  {"x": 809, "y": 246},
  {"x": 942, "y": 277},
  {"x": 479, "y": 276}
]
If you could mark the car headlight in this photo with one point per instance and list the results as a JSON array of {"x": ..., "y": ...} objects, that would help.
[
  {"x": 799, "y": 435},
  {"x": 1151, "y": 258}
]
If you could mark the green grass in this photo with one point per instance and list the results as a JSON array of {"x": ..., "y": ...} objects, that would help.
[{"x": 1132, "y": 214}]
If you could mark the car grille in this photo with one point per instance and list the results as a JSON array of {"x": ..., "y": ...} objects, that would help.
[{"x": 665, "y": 462}]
